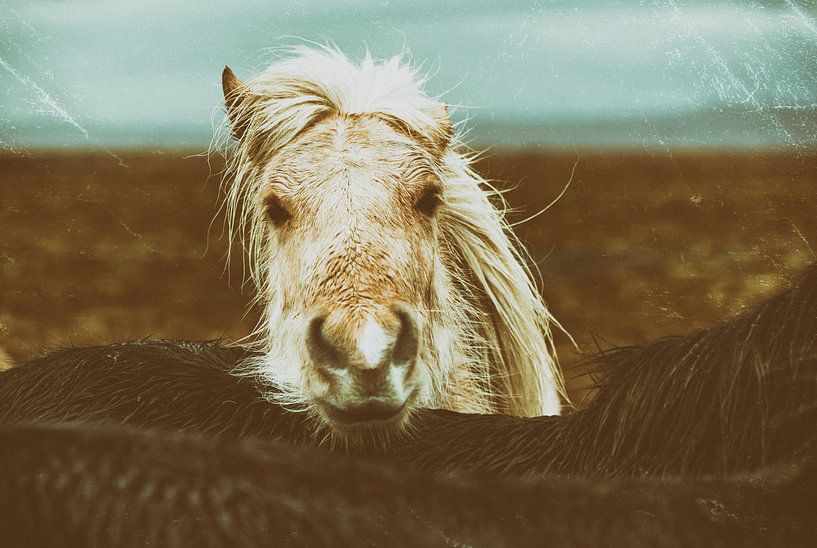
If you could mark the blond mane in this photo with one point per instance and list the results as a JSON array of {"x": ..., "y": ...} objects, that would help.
[{"x": 509, "y": 326}]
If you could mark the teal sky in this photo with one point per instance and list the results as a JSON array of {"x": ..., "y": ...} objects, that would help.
[{"x": 650, "y": 74}]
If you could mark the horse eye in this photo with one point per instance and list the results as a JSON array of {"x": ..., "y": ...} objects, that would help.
[
  {"x": 429, "y": 202},
  {"x": 275, "y": 211}
]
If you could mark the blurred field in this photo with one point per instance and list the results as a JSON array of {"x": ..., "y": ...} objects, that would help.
[{"x": 98, "y": 249}]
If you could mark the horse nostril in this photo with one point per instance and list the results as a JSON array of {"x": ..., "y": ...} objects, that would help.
[
  {"x": 323, "y": 353},
  {"x": 406, "y": 344},
  {"x": 372, "y": 351}
]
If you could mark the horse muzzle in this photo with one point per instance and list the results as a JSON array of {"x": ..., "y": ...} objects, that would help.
[{"x": 368, "y": 365}]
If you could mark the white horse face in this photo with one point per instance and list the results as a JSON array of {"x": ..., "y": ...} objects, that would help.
[
  {"x": 389, "y": 278},
  {"x": 356, "y": 279}
]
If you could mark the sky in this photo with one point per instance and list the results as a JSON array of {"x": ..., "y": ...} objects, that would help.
[{"x": 648, "y": 74}]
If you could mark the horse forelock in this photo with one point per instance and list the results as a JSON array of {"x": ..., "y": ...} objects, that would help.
[{"x": 498, "y": 316}]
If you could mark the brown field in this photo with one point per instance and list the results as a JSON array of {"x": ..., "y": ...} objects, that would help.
[{"x": 96, "y": 250}]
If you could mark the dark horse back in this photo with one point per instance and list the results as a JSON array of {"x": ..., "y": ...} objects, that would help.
[{"x": 165, "y": 384}]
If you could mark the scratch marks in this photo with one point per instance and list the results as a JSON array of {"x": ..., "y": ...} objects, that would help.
[
  {"x": 45, "y": 99},
  {"x": 51, "y": 106},
  {"x": 807, "y": 21},
  {"x": 757, "y": 78},
  {"x": 800, "y": 234}
]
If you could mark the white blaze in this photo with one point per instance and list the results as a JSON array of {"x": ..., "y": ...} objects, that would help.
[{"x": 373, "y": 342}]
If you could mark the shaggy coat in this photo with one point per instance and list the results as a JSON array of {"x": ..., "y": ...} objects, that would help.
[
  {"x": 81, "y": 486},
  {"x": 652, "y": 461},
  {"x": 729, "y": 398},
  {"x": 171, "y": 385}
]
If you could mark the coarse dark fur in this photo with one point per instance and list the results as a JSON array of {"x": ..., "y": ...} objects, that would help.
[
  {"x": 172, "y": 385},
  {"x": 688, "y": 411},
  {"x": 78, "y": 485},
  {"x": 729, "y": 398}
]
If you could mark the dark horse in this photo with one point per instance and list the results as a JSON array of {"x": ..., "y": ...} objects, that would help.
[
  {"x": 720, "y": 422},
  {"x": 81, "y": 485}
]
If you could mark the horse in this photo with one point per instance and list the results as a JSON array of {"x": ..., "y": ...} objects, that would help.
[
  {"x": 78, "y": 485},
  {"x": 702, "y": 438},
  {"x": 731, "y": 398},
  {"x": 388, "y": 276}
]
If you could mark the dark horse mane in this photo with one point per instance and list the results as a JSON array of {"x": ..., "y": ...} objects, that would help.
[
  {"x": 180, "y": 386},
  {"x": 731, "y": 397},
  {"x": 702, "y": 438}
]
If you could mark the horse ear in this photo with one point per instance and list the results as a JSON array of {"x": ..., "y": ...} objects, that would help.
[
  {"x": 236, "y": 96},
  {"x": 444, "y": 132}
]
